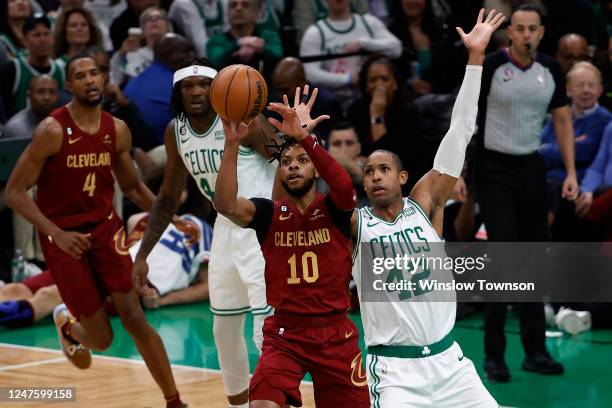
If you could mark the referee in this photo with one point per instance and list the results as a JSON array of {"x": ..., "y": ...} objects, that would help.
[{"x": 519, "y": 87}]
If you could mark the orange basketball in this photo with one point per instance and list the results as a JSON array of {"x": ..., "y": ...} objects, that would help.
[{"x": 238, "y": 93}]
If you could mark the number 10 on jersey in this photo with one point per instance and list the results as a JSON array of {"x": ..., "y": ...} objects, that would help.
[{"x": 310, "y": 268}]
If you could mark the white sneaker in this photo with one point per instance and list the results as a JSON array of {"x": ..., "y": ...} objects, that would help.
[
  {"x": 573, "y": 321},
  {"x": 77, "y": 354}
]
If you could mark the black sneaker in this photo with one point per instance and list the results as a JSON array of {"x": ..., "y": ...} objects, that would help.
[
  {"x": 496, "y": 370},
  {"x": 542, "y": 363}
]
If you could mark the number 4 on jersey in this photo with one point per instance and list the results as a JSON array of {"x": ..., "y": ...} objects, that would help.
[{"x": 90, "y": 184}]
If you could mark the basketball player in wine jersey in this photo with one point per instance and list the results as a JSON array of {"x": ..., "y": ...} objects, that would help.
[
  {"x": 305, "y": 241},
  {"x": 194, "y": 142},
  {"x": 72, "y": 158},
  {"x": 413, "y": 360}
]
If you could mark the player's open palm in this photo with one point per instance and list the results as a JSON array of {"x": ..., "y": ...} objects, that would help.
[
  {"x": 478, "y": 38},
  {"x": 73, "y": 243},
  {"x": 237, "y": 132},
  {"x": 296, "y": 120}
]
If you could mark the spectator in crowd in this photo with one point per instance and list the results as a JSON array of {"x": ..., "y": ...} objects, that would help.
[
  {"x": 66, "y": 5},
  {"x": 596, "y": 186},
  {"x": 75, "y": 30},
  {"x": 151, "y": 91},
  {"x": 584, "y": 87},
  {"x": 13, "y": 14},
  {"x": 132, "y": 59},
  {"x": 307, "y": 12},
  {"x": 381, "y": 116},
  {"x": 128, "y": 19},
  {"x": 589, "y": 121},
  {"x": 43, "y": 94},
  {"x": 199, "y": 20},
  {"x": 605, "y": 66},
  {"x": 429, "y": 60},
  {"x": 244, "y": 43},
  {"x": 287, "y": 76},
  {"x": 178, "y": 274},
  {"x": 17, "y": 74},
  {"x": 572, "y": 49},
  {"x": 344, "y": 32},
  {"x": 343, "y": 145},
  {"x": 519, "y": 86}
]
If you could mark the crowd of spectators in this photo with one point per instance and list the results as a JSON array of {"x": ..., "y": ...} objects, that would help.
[{"x": 387, "y": 73}]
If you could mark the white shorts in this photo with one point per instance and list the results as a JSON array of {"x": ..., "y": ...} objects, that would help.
[
  {"x": 236, "y": 271},
  {"x": 448, "y": 379}
]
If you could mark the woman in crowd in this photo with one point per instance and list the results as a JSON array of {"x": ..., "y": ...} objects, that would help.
[
  {"x": 13, "y": 13},
  {"x": 132, "y": 59},
  {"x": 75, "y": 30}
]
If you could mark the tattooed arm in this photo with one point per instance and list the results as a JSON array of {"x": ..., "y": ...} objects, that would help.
[{"x": 164, "y": 208}]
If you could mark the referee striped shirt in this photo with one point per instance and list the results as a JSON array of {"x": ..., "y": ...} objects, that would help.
[{"x": 515, "y": 100}]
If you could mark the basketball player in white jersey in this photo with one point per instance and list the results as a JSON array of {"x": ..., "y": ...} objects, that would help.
[
  {"x": 194, "y": 142},
  {"x": 412, "y": 359}
]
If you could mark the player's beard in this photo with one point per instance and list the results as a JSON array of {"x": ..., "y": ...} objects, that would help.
[{"x": 300, "y": 191}]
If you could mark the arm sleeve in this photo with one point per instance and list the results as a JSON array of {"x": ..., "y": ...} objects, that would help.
[
  {"x": 594, "y": 174},
  {"x": 262, "y": 219},
  {"x": 384, "y": 41},
  {"x": 451, "y": 153},
  {"x": 340, "y": 218},
  {"x": 559, "y": 97},
  {"x": 340, "y": 184},
  {"x": 312, "y": 45}
]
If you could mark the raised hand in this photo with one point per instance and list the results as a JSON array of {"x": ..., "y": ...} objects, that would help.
[
  {"x": 478, "y": 39},
  {"x": 296, "y": 120},
  {"x": 237, "y": 132}
]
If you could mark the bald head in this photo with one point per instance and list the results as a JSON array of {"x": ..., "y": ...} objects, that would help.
[
  {"x": 43, "y": 94},
  {"x": 288, "y": 75},
  {"x": 572, "y": 48},
  {"x": 172, "y": 49}
]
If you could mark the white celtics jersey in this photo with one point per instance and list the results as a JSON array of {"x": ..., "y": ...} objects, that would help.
[
  {"x": 202, "y": 154},
  {"x": 411, "y": 321},
  {"x": 173, "y": 263},
  {"x": 336, "y": 36}
]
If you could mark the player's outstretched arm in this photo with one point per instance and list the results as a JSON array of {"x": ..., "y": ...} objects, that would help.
[
  {"x": 164, "y": 207},
  {"x": 298, "y": 124},
  {"x": 434, "y": 188},
  {"x": 227, "y": 202},
  {"x": 46, "y": 142}
]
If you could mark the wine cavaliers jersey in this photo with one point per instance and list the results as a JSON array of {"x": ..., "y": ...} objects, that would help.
[
  {"x": 308, "y": 262},
  {"x": 76, "y": 185}
]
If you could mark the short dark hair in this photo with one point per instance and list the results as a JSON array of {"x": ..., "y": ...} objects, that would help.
[
  {"x": 80, "y": 55},
  {"x": 342, "y": 124},
  {"x": 176, "y": 101},
  {"x": 34, "y": 20},
  {"x": 394, "y": 157},
  {"x": 528, "y": 8}
]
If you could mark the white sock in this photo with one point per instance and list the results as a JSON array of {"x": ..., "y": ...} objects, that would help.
[{"x": 232, "y": 350}]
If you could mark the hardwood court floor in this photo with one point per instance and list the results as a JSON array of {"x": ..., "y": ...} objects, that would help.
[{"x": 119, "y": 379}]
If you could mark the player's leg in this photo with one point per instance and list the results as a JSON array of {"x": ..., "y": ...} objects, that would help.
[
  {"x": 110, "y": 258},
  {"x": 277, "y": 377},
  {"x": 336, "y": 367},
  {"x": 397, "y": 382},
  {"x": 229, "y": 303},
  {"x": 251, "y": 267},
  {"x": 15, "y": 291},
  {"x": 457, "y": 383}
]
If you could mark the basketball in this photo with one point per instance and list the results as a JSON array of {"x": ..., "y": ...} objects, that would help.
[{"x": 238, "y": 93}]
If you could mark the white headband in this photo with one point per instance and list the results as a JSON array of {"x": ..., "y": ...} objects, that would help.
[{"x": 193, "y": 70}]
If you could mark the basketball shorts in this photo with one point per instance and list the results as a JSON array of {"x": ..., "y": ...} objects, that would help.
[
  {"x": 236, "y": 271},
  {"x": 448, "y": 379},
  {"x": 326, "y": 348},
  {"x": 36, "y": 282},
  {"x": 104, "y": 269}
]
